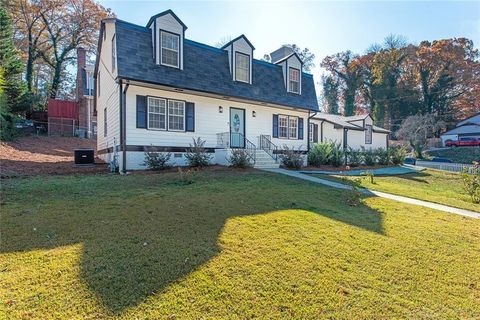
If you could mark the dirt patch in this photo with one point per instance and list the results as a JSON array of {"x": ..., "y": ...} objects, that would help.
[{"x": 29, "y": 156}]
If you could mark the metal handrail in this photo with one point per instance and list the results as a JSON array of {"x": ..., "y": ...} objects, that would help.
[
  {"x": 268, "y": 146},
  {"x": 224, "y": 141}
]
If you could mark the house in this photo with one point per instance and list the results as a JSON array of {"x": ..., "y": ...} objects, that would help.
[
  {"x": 156, "y": 90},
  {"x": 469, "y": 127},
  {"x": 352, "y": 132}
]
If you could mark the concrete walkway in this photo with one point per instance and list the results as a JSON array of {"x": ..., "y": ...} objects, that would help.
[
  {"x": 387, "y": 171},
  {"x": 431, "y": 205}
]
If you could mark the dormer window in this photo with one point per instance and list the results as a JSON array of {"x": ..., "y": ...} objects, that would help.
[
  {"x": 242, "y": 67},
  {"x": 294, "y": 83},
  {"x": 170, "y": 44}
]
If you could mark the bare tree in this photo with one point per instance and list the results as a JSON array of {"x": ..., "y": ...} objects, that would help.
[{"x": 417, "y": 129}]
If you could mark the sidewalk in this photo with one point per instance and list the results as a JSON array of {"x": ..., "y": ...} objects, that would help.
[{"x": 431, "y": 205}]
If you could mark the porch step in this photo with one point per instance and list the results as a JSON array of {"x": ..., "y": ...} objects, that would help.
[{"x": 264, "y": 161}]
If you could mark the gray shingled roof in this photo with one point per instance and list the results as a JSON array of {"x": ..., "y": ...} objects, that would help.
[
  {"x": 465, "y": 129},
  {"x": 205, "y": 69}
]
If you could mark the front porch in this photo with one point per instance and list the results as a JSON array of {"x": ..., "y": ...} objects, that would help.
[{"x": 263, "y": 154}]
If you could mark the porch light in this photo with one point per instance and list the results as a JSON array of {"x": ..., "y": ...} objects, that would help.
[
  {"x": 254, "y": 114},
  {"x": 220, "y": 109}
]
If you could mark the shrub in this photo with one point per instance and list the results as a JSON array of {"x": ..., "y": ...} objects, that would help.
[
  {"x": 397, "y": 155},
  {"x": 471, "y": 182},
  {"x": 338, "y": 155},
  {"x": 320, "y": 154},
  {"x": 370, "y": 176},
  {"x": 240, "y": 158},
  {"x": 196, "y": 155},
  {"x": 354, "y": 157},
  {"x": 7, "y": 129},
  {"x": 369, "y": 156},
  {"x": 157, "y": 160},
  {"x": 291, "y": 158},
  {"x": 382, "y": 156}
]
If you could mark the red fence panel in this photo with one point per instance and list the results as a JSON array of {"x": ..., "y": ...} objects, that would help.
[{"x": 63, "y": 109}]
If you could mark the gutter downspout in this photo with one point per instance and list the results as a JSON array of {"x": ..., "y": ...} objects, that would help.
[
  {"x": 308, "y": 128},
  {"x": 123, "y": 124},
  {"x": 321, "y": 131}
]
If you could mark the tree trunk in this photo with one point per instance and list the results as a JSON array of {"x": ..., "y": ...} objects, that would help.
[{"x": 56, "y": 80}]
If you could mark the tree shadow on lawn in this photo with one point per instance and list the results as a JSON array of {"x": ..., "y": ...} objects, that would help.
[
  {"x": 414, "y": 176},
  {"x": 137, "y": 244}
]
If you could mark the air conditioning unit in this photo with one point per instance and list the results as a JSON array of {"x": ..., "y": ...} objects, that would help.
[{"x": 84, "y": 157}]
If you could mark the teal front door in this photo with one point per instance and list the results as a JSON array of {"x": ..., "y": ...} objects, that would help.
[{"x": 237, "y": 128}]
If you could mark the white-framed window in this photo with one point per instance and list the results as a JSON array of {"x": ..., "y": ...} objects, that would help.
[
  {"x": 311, "y": 131},
  {"x": 292, "y": 127},
  {"x": 114, "y": 54},
  {"x": 242, "y": 67},
  {"x": 176, "y": 115},
  {"x": 294, "y": 82},
  {"x": 368, "y": 134},
  {"x": 283, "y": 127},
  {"x": 157, "y": 113},
  {"x": 170, "y": 47},
  {"x": 287, "y": 127}
]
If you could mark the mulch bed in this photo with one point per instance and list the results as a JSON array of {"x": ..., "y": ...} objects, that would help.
[{"x": 33, "y": 156}]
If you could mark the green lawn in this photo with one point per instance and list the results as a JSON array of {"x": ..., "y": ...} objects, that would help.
[
  {"x": 461, "y": 154},
  {"x": 430, "y": 185},
  {"x": 232, "y": 245}
]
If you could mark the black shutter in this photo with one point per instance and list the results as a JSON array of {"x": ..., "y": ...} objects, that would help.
[
  {"x": 315, "y": 132},
  {"x": 300, "y": 128},
  {"x": 142, "y": 112},
  {"x": 275, "y": 126},
  {"x": 190, "y": 116}
]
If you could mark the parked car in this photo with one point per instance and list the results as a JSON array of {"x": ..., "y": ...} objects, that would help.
[{"x": 463, "y": 142}]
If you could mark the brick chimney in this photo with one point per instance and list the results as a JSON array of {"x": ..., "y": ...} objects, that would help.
[
  {"x": 82, "y": 103},
  {"x": 81, "y": 63}
]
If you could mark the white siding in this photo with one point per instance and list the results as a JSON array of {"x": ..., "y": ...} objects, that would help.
[
  {"x": 208, "y": 122},
  {"x": 109, "y": 96},
  {"x": 355, "y": 138},
  {"x": 379, "y": 140},
  {"x": 168, "y": 23}
]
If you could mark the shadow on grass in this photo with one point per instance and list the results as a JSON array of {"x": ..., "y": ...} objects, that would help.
[
  {"x": 143, "y": 234},
  {"x": 415, "y": 176}
]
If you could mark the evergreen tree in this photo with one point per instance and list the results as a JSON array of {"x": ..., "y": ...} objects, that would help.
[
  {"x": 330, "y": 94},
  {"x": 12, "y": 88}
]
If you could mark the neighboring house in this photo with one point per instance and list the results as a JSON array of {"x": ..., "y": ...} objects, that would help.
[
  {"x": 351, "y": 132},
  {"x": 469, "y": 127},
  {"x": 156, "y": 90},
  {"x": 87, "y": 119}
]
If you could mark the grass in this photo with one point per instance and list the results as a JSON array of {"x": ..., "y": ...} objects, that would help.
[
  {"x": 460, "y": 155},
  {"x": 429, "y": 185},
  {"x": 232, "y": 245}
]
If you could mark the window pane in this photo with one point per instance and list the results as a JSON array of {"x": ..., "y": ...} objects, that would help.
[
  {"x": 176, "y": 115},
  {"x": 170, "y": 47},
  {"x": 156, "y": 113},
  {"x": 293, "y": 121},
  {"x": 294, "y": 83},
  {"x": 283, "y": 127},
  {"x": 242, "y": 67}
]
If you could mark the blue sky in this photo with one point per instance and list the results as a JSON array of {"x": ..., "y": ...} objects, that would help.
[{"x": 323, "y": 27}]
